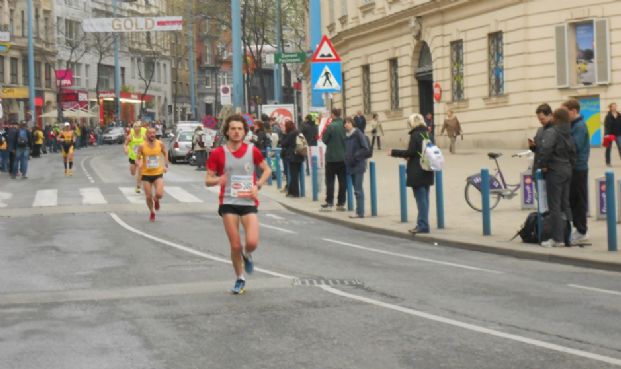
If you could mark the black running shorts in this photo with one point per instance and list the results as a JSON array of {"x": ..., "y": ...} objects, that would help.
[
  {"x": 152, "y": 179},
  {"x": 240, "y": 210}
]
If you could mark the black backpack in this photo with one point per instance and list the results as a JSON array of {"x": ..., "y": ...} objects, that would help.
[{"x": 528, "y": 231}]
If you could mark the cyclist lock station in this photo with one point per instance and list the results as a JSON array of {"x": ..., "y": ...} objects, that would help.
[{"x": 513, "y": 197}]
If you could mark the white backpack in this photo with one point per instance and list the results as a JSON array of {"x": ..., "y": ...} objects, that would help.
[{"x": 431, "y": 158}]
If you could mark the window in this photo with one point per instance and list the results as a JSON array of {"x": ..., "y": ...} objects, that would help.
[
  {"x": 37, "y": 74},
  {"x": 157, "y": 73},
  {"x": 86, "y": 73},
  {"x": 48, "y": 75},
  {"x": 1, "y": 69},
  {"x": 13, "y": 71},
  {"x": 343, "y": 7},
  {"x": 23, "y": 24},
  {"x": 457, "y": 70},
  {"x": 164, "y": 74},
  {"x": 46, "y": 25},
  {"x": 366, "y": 88},
  {"x": 394, "y": 84},
  {"x": 132, "y": 67},
  {"x": 11, "y": 23},
  {"x": 24, "y": 71},
  {"x": 37, "y": 21},
  {"x": 208, "y": 80},
  {"x": 72, "y": 30},
  {"x": 496, "y": 71},
  {"x": 77, "y": 75},
  {"x": 59, "y": 25},
  {"x": 586, "y": 44},
  {"x": 224, "y": 78}
]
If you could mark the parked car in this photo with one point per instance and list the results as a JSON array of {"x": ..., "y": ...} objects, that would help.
[
  {"x": 114, "y": 135},
  {"x": 180, "y": 146}
]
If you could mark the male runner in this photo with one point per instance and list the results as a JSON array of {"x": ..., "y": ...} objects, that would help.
[
  {"x": 152, "y": 162},
  {"x": 67, "y": 140},
  {"x": 232, "y": 166},
  {"x": 134, "y": 139}
]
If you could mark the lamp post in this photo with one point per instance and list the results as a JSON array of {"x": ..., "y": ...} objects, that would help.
[
  {"x": 277, "y": 66},
  {"x": 238, "y": 89},
  {"x": 31, "y": 75},
  {"x": 117, "y": 68}
]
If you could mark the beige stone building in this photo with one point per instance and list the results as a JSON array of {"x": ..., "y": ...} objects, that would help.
[{"x": 495, "y": 61}]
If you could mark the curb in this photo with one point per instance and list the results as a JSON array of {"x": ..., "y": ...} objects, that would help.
[{"x": 518, "y": 254}]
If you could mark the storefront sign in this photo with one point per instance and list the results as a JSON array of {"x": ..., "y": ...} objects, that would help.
[
  {"x": 15, "y": 92},
  {"x": 133, "y": 24},
  {"x": 64, "y": 77}
]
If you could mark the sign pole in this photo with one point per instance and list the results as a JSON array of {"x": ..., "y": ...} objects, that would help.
[
  {"x": 117, "y": 69},
  {"x": 238, "y": 93},
  {"x": 315, "y": 38},
  {"x": 277, "y": 70},
  {"x": 31, "y": 75}
]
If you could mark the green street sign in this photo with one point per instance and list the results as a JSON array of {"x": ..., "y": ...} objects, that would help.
[{"x": 289, "y": 58}]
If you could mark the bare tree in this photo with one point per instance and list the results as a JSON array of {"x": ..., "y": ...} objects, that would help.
[{"x": 102, "y": 45}]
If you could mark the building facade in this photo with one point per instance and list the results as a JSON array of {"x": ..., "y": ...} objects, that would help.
[{"x": 490, "y": 61}]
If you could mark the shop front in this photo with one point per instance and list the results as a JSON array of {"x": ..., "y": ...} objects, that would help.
[
  {"x": 14, "y": 103},
  {"x": 130, "y": 106}
]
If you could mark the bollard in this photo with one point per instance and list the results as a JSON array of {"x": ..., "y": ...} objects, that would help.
[
  {"x": 611, "y": 212},
  {"x": 315, "y": 177},
  {"x": 350, "y": 192},
  {"x": 278, "y": 170},
  {"x": 439, "y": 200},
  {"x": 487, "y": 228},
  {"x": 302, "y": 180},
  {"x": 269, "y": 163},
  {"x": 373, "y": 182},
  {"x": 403, "y": 194},
  {"x": 540, "y": 198}
]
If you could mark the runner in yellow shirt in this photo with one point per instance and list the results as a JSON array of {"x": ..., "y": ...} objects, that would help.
[
  {"x": 67, "y": 140},
  {"x": 152, "y": 162},
  {"x": 134, "y": 139}
]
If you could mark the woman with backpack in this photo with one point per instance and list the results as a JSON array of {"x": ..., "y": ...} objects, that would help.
[
  {"x": 420, "y": 180},
  {"x": 556, "y": 155},
  {"x": 292, "y": 158}
]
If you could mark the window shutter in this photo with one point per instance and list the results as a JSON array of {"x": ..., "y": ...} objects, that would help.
[
  {"x": 602, "y": 52},
  {"x": 562, "y": 57}
]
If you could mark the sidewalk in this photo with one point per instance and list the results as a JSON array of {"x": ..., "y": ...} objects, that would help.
[{"x": 464, "y": 226}]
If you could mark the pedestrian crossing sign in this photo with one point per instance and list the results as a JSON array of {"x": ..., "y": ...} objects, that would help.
[{"x": 326, "y": 77}]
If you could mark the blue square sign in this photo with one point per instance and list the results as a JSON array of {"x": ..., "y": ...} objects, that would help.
[{"x": 326, "y": 77}]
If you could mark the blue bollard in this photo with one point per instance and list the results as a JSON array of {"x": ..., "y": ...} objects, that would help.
[
  {"x": 611, "y": 211},
  {"x": 440, "y": 200},
  {"x": 403, "y": 193},
  {"x": 373, "y": 182},
  {"x": 278, "y": 170},
  {"x": 350, "y": 192},
  {"x": 269, "y": 164},
  {"x": 315, "y": 177},
  {"x": 302, "y": 181},
  {"x": 487, "y": 228}
]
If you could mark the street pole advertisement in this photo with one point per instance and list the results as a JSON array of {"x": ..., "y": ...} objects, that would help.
[
  {"x": 528, "y": 190},
  {"x": 280, "y": 112},
  {"x": 600, "y": 200},
  {"x": 590, "y": 111}
]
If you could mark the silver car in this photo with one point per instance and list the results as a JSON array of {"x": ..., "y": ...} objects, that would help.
[
  {"x": 180, "y": 146},
  {"x": 114, "y": 135}
]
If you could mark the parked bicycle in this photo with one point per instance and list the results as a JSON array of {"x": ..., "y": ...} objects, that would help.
[{"x": 499, "y": 188}]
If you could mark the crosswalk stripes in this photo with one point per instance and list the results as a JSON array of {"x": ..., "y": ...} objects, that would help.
[
  {"x": 181, "y": 195},
  {"x": 92, "y": 196},
  {"x": 46, "y": 198},
  {"x": 131, "y": 195}
]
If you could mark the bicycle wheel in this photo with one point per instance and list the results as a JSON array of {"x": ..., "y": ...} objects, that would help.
[{"x": 474, "y": 199}]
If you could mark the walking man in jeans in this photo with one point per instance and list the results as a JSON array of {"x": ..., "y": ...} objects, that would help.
[
  {"x": 356, "y": 153},
  {"x": 578, "y": 195},
  {"x": 334, "y": 138}
]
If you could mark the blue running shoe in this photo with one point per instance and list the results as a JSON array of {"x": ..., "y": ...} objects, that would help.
[
  {"x": 248, "y": 263},
  {"x": 239, "y": 287}
]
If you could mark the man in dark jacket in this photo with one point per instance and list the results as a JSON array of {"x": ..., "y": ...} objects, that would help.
[
  {"x": 22, "y": 144},
  {"x": 310, "y": 132},
  {"x": 360, "y": 121},
  {"x": 334, "y": 138},
  {"x": 544, "y": 114},
  {"x": 578, "y": 193},
  {"x": 356, "y": 151},
  {"x": 612, "y": 126},
  {"x": 11, "y": 135},
  {"x": 420, "y": 180}
]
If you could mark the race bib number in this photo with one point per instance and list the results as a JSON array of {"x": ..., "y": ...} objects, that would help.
[
  {"x": 241, "y": 186},
  {"x": 153, "y": 161}
]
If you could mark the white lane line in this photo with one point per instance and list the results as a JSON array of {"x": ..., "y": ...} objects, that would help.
[
  {"x": 3, "y": 197},
  {"x": 274, "y": 216},
  {"x": 475, "y": 328},
  {"x": 92, "y": 196},
  {"x": 190, "y": 250},
  {"x": 412, "y": 257},
  {"x": 131, "y": 195},
  {"x": 278, "y": 229},
  {"x": 181, "y": 195},
  {"x": 46, "y": 198},
  {"x": 610, "y": 292},
  {"x": 88, "y": 175}
]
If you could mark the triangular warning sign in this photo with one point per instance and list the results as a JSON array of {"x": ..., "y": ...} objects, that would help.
[
  {"x": 326, "y": 81},
  {"x": 325, "y": 52}
]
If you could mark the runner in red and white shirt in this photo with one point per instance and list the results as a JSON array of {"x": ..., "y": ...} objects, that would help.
[{"x": 232, "y": 166}]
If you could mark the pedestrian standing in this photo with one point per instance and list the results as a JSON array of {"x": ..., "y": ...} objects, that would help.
[
  {"x": 23, "y": 143},
  {"x": 334, "y": 138},
  {"x": 37, "y": 137},
  {"x": 11, "y": 137},
  {"x": 578, "y": 193},
  {"x": 420, "y": 180},
  {"x": 310, "y": 132},
  {"x": 544, "y": 115},
  {"x": 377, "y": 131},
  {"x": 199, "y": 147},
  {"x": 152, "y": 161},
  {"x": 453, "y": 129},
  {"x": 612, "y": 126},
  {"x": 232, "y": 167},
  {"x": 555, "y": 157},
  {"x": 292, "y": 159},
  {"x": 4, "y": 149},
  {"x": 356, "y": 152},
  {"x": 360, "y": 121}
]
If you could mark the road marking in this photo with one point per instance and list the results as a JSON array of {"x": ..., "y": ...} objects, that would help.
[
  {"x": 475, "y": 328},
  {"x": 46, "y": 198},
  {"x": 412, "y": 257},
  {"x": 274, "y": 216},
  {"x": 610, "y": 292},
  {"x": 190, "y": 250},
  {"x": 181, "y": 195},
  {"x": 92, "y": 196},
  {"x": 278, "y": 229},
  {"x": 90, "y": 179},
  {"x": 131, "y": 195},
  {"x": 4, "y": 196}
]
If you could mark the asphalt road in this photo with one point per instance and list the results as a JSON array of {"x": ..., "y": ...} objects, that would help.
[{"x": 93, "y": 284}]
